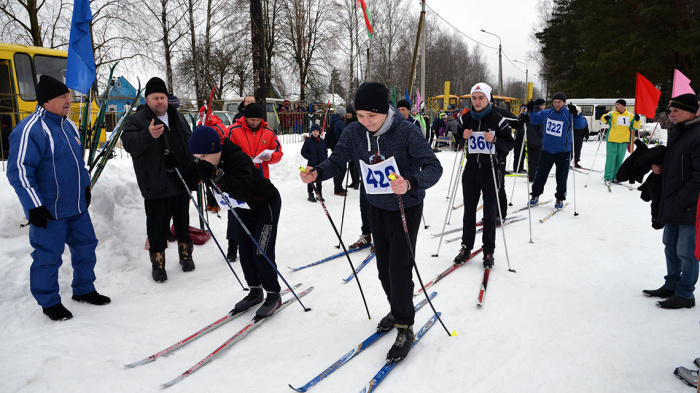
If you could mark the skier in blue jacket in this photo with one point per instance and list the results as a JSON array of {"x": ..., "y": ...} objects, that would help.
[
  {"x": 556, "y": 146},
  {"x": 45, "y": 167}
]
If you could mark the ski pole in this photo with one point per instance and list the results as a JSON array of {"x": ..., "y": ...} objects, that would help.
[
  {"x": 500, "y": 215},
  {"x": 594, "y": 157},
  {"x": 413, "y": 259},
  {"x": 189, "y": 194},
  {"x": 449, "y": 205},
  {"x": 573, "y": 154},
  {"x": 517, "y": 170},
  {"x": 302, "y": 169},
  {"x": 345, "y": 199},
  {"x": 260, "y": 250},
  {"x": 453, "y": 173},
  {"x": 426, "y": 226}
]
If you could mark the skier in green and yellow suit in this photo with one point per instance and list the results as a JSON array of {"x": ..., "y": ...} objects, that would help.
[{"x": 622, "y": 125}]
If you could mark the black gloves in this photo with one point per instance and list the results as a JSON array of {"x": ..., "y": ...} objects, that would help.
[
  {"x": 207, "y": 171},
  {"x": 636, "y": 117},
  {"x": 88, "y": 196},
  {"x": 525, "y": 118},
  {"x": 572, "y": 109},
  {"x": 39, "y": 216},
  {"x": 170, "y": 160},
  {"x": 530, "y": 106}
]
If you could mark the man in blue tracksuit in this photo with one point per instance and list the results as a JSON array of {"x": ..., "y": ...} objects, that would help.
[
  {"x": 45, "y": 167},
  {"x": 382, "y": 142},
  {"x": 558, "y": 126}
]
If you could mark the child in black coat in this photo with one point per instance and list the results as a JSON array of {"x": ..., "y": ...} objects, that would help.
[{"x": 315, "y": 151}]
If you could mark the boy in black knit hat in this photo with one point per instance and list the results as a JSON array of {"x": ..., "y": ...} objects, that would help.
[{"x": 382, "y": 143}]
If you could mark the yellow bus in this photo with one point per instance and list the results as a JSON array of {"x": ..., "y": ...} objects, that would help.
[
  {"x": 20, "y": 69},
  {"x": 436, "y": 103}
]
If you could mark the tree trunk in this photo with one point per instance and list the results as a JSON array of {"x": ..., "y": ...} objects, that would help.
[
  {"x": 195, "y": 56},
  {"x": 166, "y": 45},
  {"x": 257, "y": 40},
  {"x": 34, "y": 23}
]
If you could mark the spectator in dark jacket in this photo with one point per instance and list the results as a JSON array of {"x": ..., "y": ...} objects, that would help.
[
  {"x": 437, "y": 127},
  {"x": 241, "y": 107},
  {"x": 315, "y": 152},
  {"x": 535, "y": 133},
  {"x": 680, "y": 186},
  {"x": 148, "y": 135},
  {"x": 338, "y": 125}
]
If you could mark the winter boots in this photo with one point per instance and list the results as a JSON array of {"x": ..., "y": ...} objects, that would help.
[
  {"x": 463, "y": 256},
  {"x": 253, "y": 297},
  {"x": 662, "y": 292},
  {"x": 558, "y": 204},
  {"x": 272, "y": 303},
  {"x": 311, "y": 198},
  {"x": 92, "y": 298},
  {"x": 534, "y": 201},
  {"x": 675, "y": 302},
  {"x": 488, "y": 261},
  {"x": 362, "y": 241},
  {"x": 402, "y": 345},
  {"x": 158, "y": 264},
  {"x": 58, "y": 312},
  {"x": 232, "y": 254},
  {"x": 185, "y": 251},
  {"x": 387, "y": 323}
]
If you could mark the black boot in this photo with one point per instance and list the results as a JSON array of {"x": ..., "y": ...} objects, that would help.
[
  {"x": 58, "y": 312},
  {"x": 272, "y": 303},
  {"x": 185, "y": 251},
  {"x": 488, "y": 261},
  {"x": 402, "y": 345},
  {"x": 253, "y": 297},
  {"x": 158, "y": 264},
  {"x": 675, "y": 302},
  {"x": 232, "y": 254},
  {"x": 662, "y": 292},
  {"x": 92, "y": 298},
  {"x": 311, "y": 198},
  {"x": 386, "y": 324},
  {"x": 463, "y": 256}
]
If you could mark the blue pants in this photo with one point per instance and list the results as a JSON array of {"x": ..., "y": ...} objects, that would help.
[
  {"x": 49, "y": 243},
  {"x": 262, "y": 223},
  {"x": 681, "y": 264},
  {"x": 547, "y": 160}
]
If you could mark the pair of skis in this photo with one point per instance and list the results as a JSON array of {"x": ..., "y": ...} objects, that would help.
[
  {"x": 507, "y": 221},
  {"x": 334, "y": 256},
  {"x": 552, "y": 213},
  {"x": 359, "y": 267},
  {"x": 383, "y": 372},
  {"x": 254, "y": 323},
  {"x": 688, "y": 376},
  {"x": 446, "y": 272}
]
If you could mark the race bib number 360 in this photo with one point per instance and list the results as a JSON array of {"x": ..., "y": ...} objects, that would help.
[
  {"x": 477, "y": 144},
  {"x": 554, "y": 127},
  {"x": 376, "y": 176}
]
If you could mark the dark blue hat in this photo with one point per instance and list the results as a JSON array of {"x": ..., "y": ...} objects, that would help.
[
  {"x": 314, "y": 127},
  {"x": 205, "y": 140}
]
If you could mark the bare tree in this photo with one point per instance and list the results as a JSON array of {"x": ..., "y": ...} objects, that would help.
[{"x": 392, "y": 39}]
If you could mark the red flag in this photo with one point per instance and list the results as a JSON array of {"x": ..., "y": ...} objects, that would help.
[
  {"x": 646, "y": 97},
  {"x": 368, "y": 18}
]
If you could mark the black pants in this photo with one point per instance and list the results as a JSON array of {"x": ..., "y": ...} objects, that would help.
[
  {"x": 477, "y": 179},
  {"x": 319, "y": 187},
  {"x": 502, "y": 198},
  {"x": 338, "y": 181},
  {"x": 519, "y": 159},
  {"x": 364, "y": 211},
  {"x": 547, "y": 160},
  {"x": 395, "y": 257},
  {"x": 262, "y": 223},
  {"x": 533, "y": 159},
  {"x": 158, "y": 213},
  {"x": 354, "y": 177},
  {"x": 578, "y": 144}
]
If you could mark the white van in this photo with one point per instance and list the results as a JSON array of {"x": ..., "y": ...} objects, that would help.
[{"x": 594, "y": 108}]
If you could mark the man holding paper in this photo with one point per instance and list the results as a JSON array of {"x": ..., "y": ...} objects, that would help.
[{"x": 256, "y": 139}]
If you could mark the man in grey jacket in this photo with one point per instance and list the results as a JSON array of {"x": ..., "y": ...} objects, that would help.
[{"x": 382, "y": 143}]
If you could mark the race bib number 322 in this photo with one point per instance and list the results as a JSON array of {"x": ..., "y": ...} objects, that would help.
[
  {"x": 554, "y": 127},
  {"x": 376, "y": 176}
]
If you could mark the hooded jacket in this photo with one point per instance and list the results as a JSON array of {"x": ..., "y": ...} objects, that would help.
[
  {"x": 255, "y": 142},
  {"x": 45, "y": 164},
  {"x": 314, "y": 150},
  {"x": 416, "y": 161}
]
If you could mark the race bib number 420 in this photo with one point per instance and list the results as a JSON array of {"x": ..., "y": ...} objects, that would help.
[
  {"x": 554, "y": 127},
  {"x": 477, "y": 144},
  {"x": 376, "y": 176}
]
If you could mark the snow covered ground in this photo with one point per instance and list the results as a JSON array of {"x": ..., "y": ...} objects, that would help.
[{"x": 572, "y": 319}]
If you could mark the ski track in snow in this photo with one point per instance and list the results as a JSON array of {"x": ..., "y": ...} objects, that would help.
[{"x": 572, "y": 319}]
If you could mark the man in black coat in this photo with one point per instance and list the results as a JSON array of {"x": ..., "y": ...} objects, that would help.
[
  {"x": 680, "y": 186},
  {"x": 154, "y": 133}
]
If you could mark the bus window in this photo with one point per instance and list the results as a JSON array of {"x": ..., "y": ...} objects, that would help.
[
  {"x": 25, "y": 76},
  {"x": 586, "y": 110},
  {"x": 52, "y": 66}
]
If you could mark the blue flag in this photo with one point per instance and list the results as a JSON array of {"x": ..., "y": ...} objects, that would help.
[
  {"x": 80, "y": 67},
  {"x": 408, "y": 98}
]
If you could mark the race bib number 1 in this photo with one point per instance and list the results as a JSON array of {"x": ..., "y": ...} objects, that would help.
[
  {"x": 477, "y": 144},
  {"x": 554, "y": 127},
  {"x": 376, "y": 176},
  {"x": 623, "y": 121}
]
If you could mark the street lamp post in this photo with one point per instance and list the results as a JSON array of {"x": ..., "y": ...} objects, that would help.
[
  {"x": 500, "y": 63},
  {"x": 526, "y": 75}
]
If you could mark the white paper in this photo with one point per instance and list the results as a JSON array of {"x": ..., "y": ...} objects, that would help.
[{"x": 258, "y": 158}]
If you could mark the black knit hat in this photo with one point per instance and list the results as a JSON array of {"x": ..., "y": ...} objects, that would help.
[
  {"x": 539, "y": 102},
  {"x": 403, "y": 104},
  {"x": 687, "y": 102},
  {"x": 373, "y": 97},
  {"x": 559, "y": 96},
  {"x": 205, "y": 140},
  {"x": 156, "y": 85},
  {"x": 350, "y": 109},
  {"x": 621, "y": 101},
  {"x": 253, "y": 111},
  {"x": 49, "y": 88}
]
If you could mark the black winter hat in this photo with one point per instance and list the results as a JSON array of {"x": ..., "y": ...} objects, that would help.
[
  {"x": 539, "y": 102},
  {"x": 205, "y": 140},
  {"x": 559, "y": 96},
  {"x": 253, "y": 111},
  {"x": 687, "y": 102},
  {"x": 49, "y": 88},
  {"x": 155, "y": 85},
  {"x": 173, "y": 101},
  {"x": 350, "y": 109},
  {"x": 373, "y": 97},
  {"x": 621, "y": 101},
  {"x": 316, "y": 127},
  {"x": 403, "y": 104}
]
